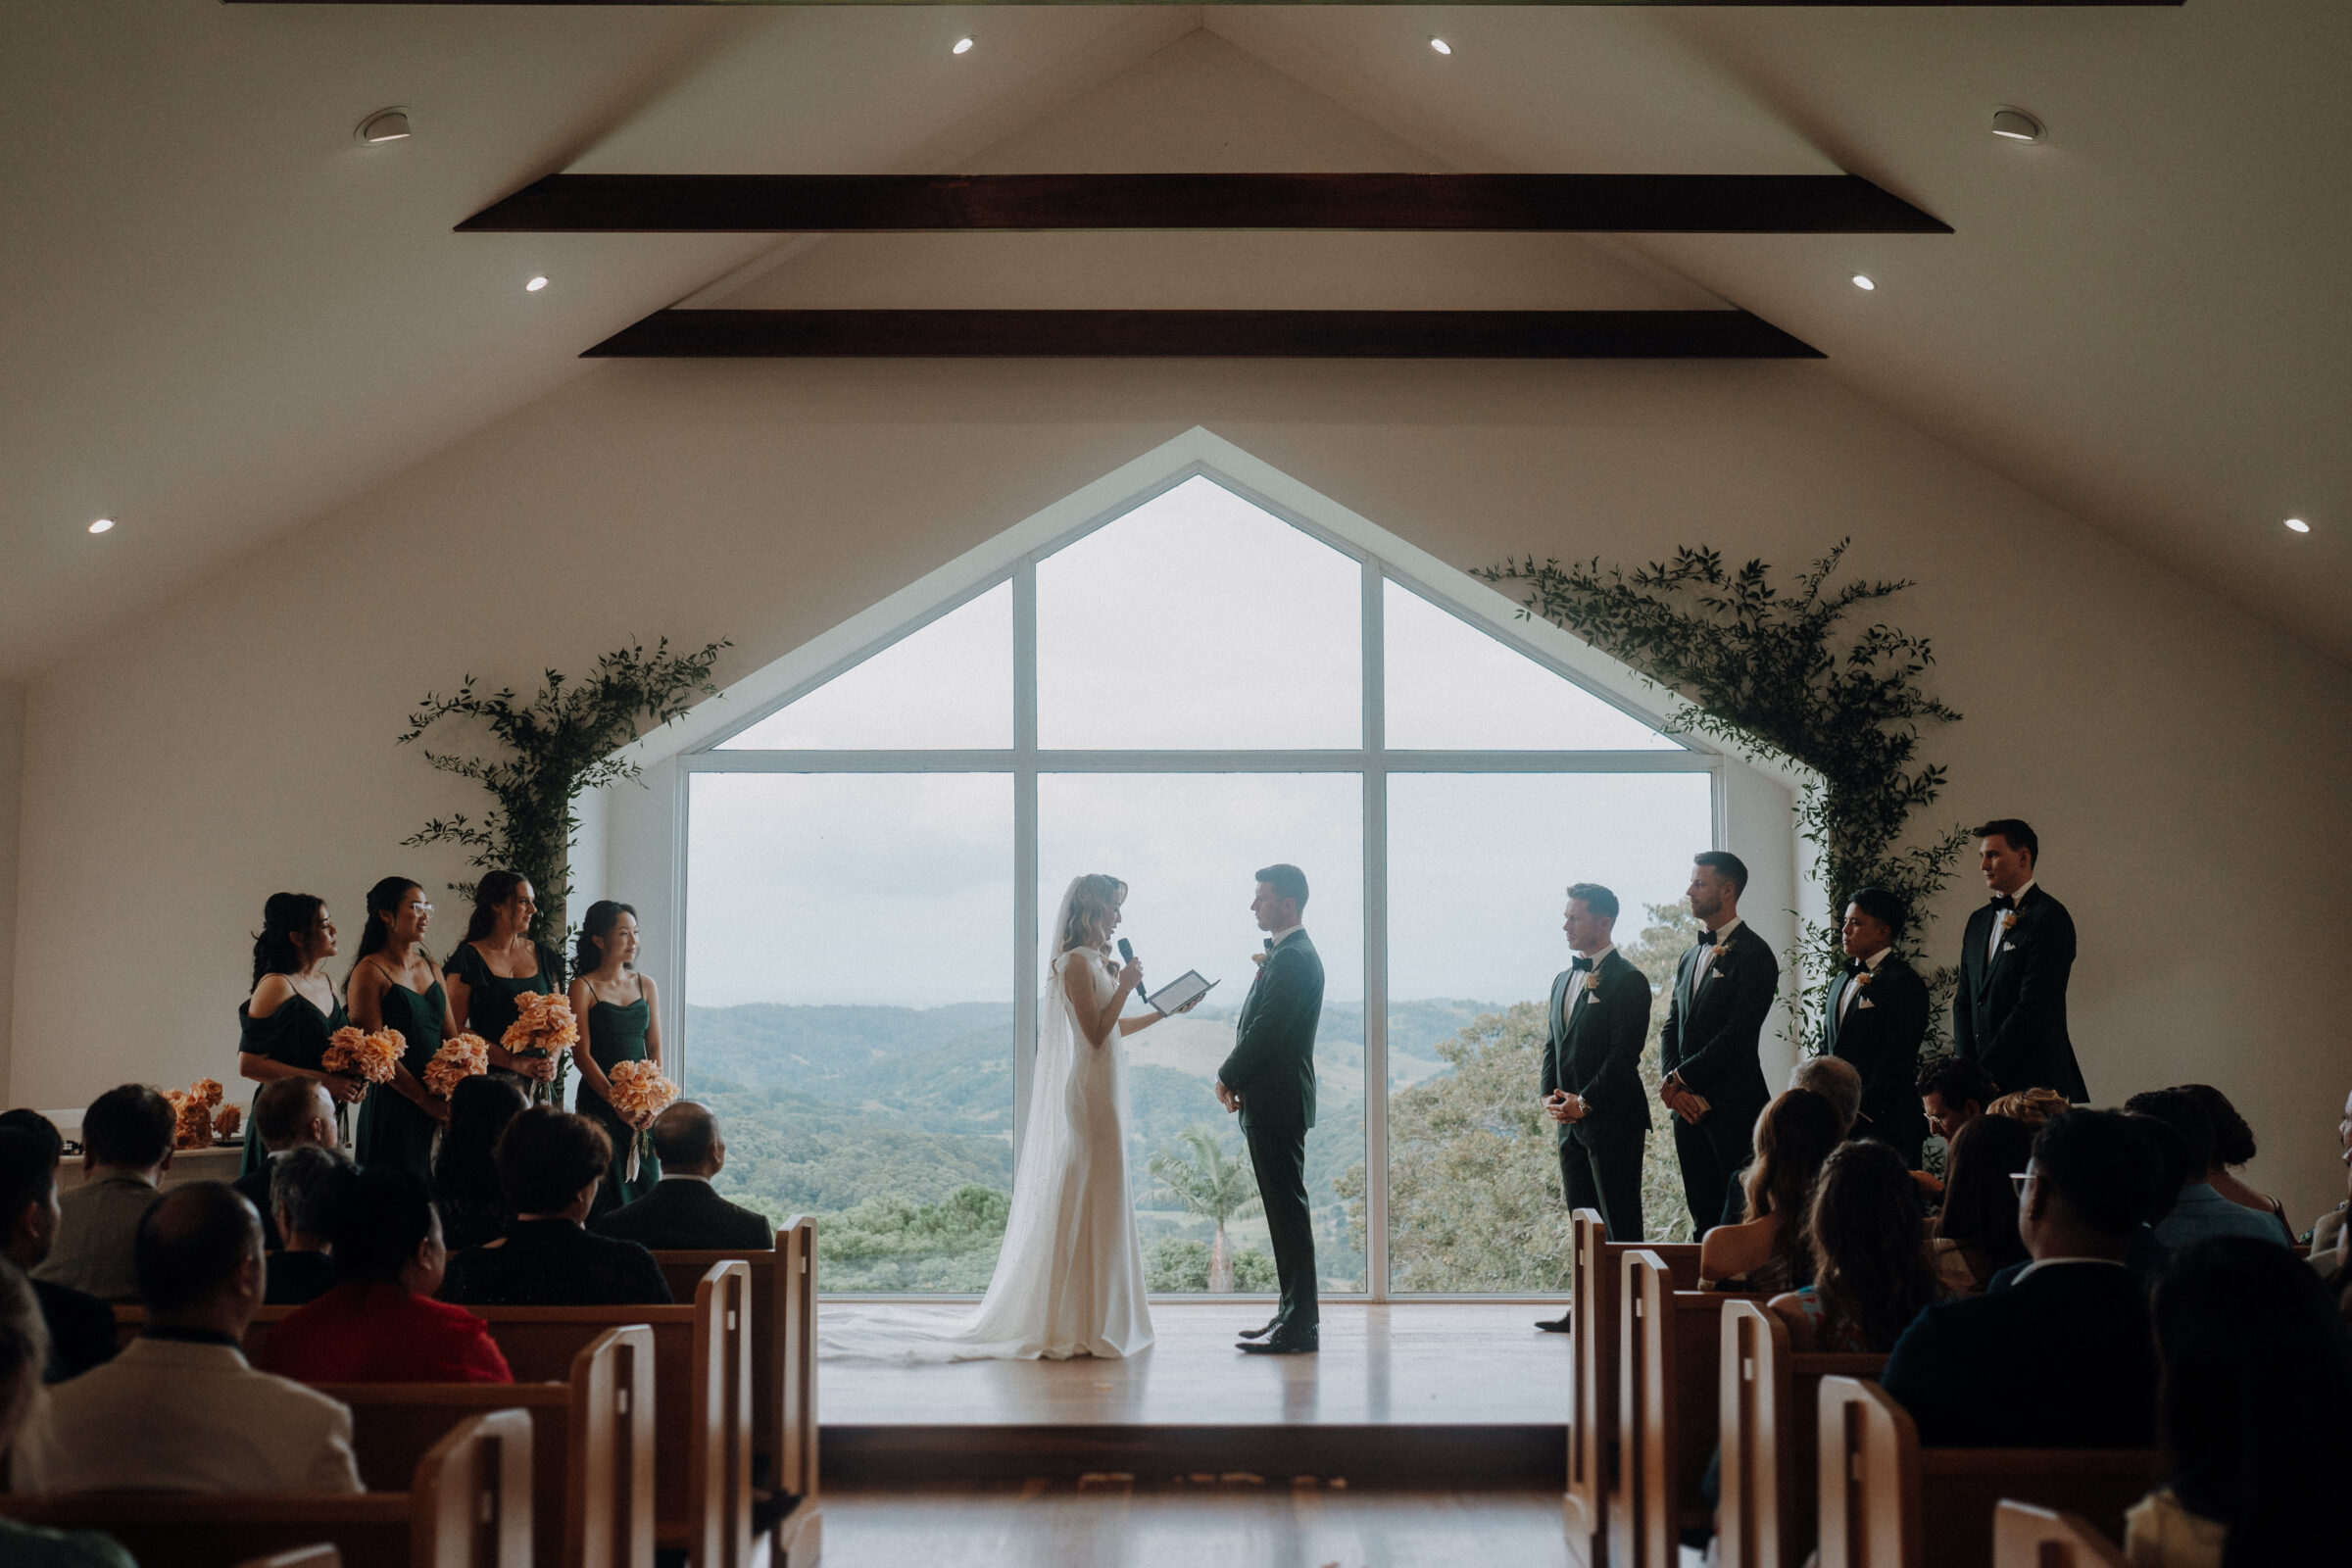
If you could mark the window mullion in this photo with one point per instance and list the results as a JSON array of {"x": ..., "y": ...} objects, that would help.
[
  {"x": 1026, "y": 983},
  {"x": 1376, "y": 942}
]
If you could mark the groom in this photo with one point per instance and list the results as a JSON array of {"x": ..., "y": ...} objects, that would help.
[{"x": 1270, "y": 1079}]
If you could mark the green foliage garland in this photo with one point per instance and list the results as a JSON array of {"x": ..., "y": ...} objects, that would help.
[
  {"x": 1779, "y": 674},
  {"x": 562, "y": 742}
]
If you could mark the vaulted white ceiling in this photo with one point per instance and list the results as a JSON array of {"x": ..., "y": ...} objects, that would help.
[{"x": 220, "y": 317}]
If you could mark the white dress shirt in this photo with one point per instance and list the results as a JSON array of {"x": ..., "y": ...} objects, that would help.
[
  {"x": 1992, "y": 948},
  {"x": 1706, "y": 959},
  {"x": 1845, "y": 1002},
  {"x": 1578, "y": 990}
]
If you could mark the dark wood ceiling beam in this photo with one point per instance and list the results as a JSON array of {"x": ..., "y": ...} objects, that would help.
[
  {"x": 837, "y": 204},
  {"x": 1204, "y": 334},
  {"x": 1916, "y": 5}
]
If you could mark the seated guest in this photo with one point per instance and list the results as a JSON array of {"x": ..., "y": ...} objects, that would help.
[
  {"x": 1870, "y": 1269},
  {"x": 2199, "y": 1211},
  {"x": 180, "y": 1410},
  {"x": 40, "y": 1127},
  {"x": 2063, "y": 1359},
  {"x": 465, "y": 1190},
  {"x": 127, "y": 1136},
  {"x": 306, "y": 1184},
  {"x": 550, "y": 1164},
  {"x": 2032, "y": 1107},
  {"x": 2330, "y": 1240},
  {"x": 684, "y": 1213},
  {"x": 80, "y": 1329},
  {"x": 1766, "y": 1249},
  {"x": 23, "y": 1353},
  {"x": 1836, "y": 1079},
  {"x": 1952, "y": 1093},
  {"x": 2256, "y": 1382},
  {"x": 287, "y": 1113},
  {"x": 380, "y": 1323},
  {"x": 2234, "y": 1148},
  {"x": 1974, "y": 1237}
]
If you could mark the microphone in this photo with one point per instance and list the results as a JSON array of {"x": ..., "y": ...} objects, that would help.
[{"x": 1126, "y": 950}]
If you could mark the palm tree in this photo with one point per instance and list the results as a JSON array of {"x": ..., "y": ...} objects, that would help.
[{"x": 1213, "y": 1185}]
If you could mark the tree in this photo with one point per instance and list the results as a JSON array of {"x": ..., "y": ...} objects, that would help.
[{"x": 1211, "y": 1183}]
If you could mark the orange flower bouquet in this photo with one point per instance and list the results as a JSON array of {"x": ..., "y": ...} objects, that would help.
[
  {"x": 227, "y": 1122},
  {"x": 192, "y": 1114},
  {"x": 544, "y": 1026},
  {"x": 639, "y": 1088},
  {"x": 371, "y": 1058},
  {"x": 466, "y": 1056}
]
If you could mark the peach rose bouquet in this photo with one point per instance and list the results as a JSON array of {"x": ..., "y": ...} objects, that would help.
[
  {"x": 544, "y": 1026},
  {"x": 372, "y": 1056},
  {"x": 640, "y": 1089},
  {"x": 466, "y": 1056}
]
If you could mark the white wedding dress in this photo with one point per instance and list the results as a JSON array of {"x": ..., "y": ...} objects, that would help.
[{"x": 1070, "y": 1278}]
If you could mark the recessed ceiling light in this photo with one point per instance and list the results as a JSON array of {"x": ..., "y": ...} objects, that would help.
[
  {"x": 1441, "y": 46},
  {"x": 102, "y": 525},
  {"x": 2015, "y": 125},
  {"x": 535, "y": 285},
  {"x": 1863, "y": 284},
  {"x": 385, "y": 125},
  {"x": 2296, "y": 523},
  {"x": 964, "y": 47}
]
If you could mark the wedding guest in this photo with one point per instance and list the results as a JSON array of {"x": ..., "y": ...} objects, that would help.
[
  {"x": 684, "y": 1211},
  {"x": 80, "y": 1327},
  {"x": 126, "y": 1138},
  {"x": 619, "y": 1022},
  {"x": 1952, "y": 1093},
  {"x": 24, "y": 1352},
  {"x": 20, "y": 1119},
  {"x": 1870, "y": 1272},
  {"x": 2234, "y": 1149},
  {"x": 551, "y": 1164},
  {"x": 2329, "y": 1234},
  {"x": 1714, "y": 1083},
  {"x": 1875, "y": 1017},
  {"x": 498, "y": 962},
  {"x": 2009, "y": 1014},
  {"x": 2251, "y": 1408},
  {"x": 1591, "y": 1081},
  {"x": 2199, "y": 1211},
  {"x": 1974, "y": 1237},
  {"x": 2063, "y": 1359},
  {"x": 1834, "y": 1080},
  {"x": 179, "y": 1409},
  {"x": 305, "y": 1187},
  {"x": 284, "y": 1024},
  {"x": 380, "y": 1323},
  {"x": 465, "y": 1190},
  {"x": 395, "y": 986},
  {"x": 1766, "y": 1248},
  {"x": 292, "y": 1112},
  {"x": 2032, "y": 1107}
]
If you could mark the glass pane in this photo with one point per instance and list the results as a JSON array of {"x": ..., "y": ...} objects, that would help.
[
  {"x": 1478, "y": 870},
  {"x": 1451, "y": 687},
  {"x": 1198, "y": 620},
  {"x": 1189, "y": 846},
  {"x": 947, "y": 684},
  {"x": 848, "y": 1011}
]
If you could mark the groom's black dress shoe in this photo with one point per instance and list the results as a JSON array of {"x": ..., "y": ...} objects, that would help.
[
  {"x": 1272, "y": 1324},
  {"x": 1286, "y": 1342},
  {"x": 1558, "y": 1325}
]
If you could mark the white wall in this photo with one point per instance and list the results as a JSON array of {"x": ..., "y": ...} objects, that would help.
[{"x": 12, "y": 793}]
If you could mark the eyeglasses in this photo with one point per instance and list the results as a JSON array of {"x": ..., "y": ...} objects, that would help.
[{"x": 2018, "y": 1180}]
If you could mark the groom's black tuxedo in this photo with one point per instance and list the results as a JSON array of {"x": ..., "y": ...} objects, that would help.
[
  {"x": 2009, "y": 1016},
  {"x": 1592, "y": 1048},
  {"x": 1878, "y": 1025},
  {"x": 1714, "y": 1022},
  {"x": 1272, "y": 1068}
]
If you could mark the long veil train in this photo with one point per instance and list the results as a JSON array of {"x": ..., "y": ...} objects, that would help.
[{"x": 1069, "y": 1280}]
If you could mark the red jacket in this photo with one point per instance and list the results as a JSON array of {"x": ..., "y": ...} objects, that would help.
[{"x": 382, "y": 1333}]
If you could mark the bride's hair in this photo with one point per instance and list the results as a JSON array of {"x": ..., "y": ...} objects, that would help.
[{"x": 1092, "y": 898}]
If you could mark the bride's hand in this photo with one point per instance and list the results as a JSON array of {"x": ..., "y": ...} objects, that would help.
[{"x": 1132, "y": 977}]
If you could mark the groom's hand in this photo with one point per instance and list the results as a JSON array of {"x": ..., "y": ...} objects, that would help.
[{"x": 1227, "y": 1098}]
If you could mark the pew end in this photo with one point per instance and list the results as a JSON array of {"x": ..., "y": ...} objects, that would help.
[
  {"x": 322, "y": 1555},
  {"x": 1769, "y": 1432},
  {"x": 2024, "y": 1536},
  {"x": 1593, "y": 1278},
  {"x": 1667, "y": 1408}
]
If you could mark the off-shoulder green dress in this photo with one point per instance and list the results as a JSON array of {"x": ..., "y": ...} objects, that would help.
[{"x": 296, "y": 1034}]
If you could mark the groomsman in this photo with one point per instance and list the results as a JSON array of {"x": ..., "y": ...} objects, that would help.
[
  {"x": 2009, "y": 1016},
  {"x": 1875, "y": 1018},
  {"x": 1592, "y": 1078},
  {"x": 1723, "y": 989}
]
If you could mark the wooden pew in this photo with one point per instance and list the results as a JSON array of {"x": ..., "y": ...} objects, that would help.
[
  {"x": 1887, "y": 1503},
  {"x": 468, "y": 1506},
  {"x": 1595, "y": 1268},
  {"x": 322, "y": 1555},
  {"x": 2026, "y": 1537},
  {"x": 1770, "y": 1433},
  {"x": 592, "y": 1445},
  {"x": 1667, "y": 1410}
]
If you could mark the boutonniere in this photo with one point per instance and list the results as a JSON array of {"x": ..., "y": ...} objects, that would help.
[
  {"x": 2008, "y": 919},
  {"x": 1864, "y": 977},
  {"x": 1591, "y": 979}
]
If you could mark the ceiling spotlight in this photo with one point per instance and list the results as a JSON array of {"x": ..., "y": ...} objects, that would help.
[
  {"x": 2016, "y": 125},
  {"x": 385, "y": 125},
  {"x": 1863, "y": 284},
  {"x": 534, "y": 285},
  {"x": 964, "y": 47},
  {"x": 1441, "y": 46},
  {"x": 2296, "y": 523},
  {"x": 102, "y": 525}
]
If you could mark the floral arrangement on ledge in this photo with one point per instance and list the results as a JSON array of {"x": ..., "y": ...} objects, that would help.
[{"x": 198, "y": 1117}]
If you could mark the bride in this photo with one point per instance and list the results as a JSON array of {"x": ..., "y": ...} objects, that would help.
[{"x": 1069, "y": 1280}]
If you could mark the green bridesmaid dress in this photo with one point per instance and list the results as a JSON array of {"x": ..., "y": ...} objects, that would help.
[
  {"x": 491, "y": 1008},
  {"x": 296, "y": 1034},
  {"x": 617, "y": 1034},
  {"x": 394, "y": 1130}
]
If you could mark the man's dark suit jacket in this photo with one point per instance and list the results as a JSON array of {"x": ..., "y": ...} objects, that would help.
[
  {"x": 1599, "y": 1058},
  {"x": 553, "y": 1262},
  {"x": 685, "y": 1215},
  {"x": 1711, "y": 1037},
  {"x": 1272, "y": 1066},
  {"x": 2009, "y": 1016},
  {"x": 1881, "y": 1034},
  {"x": 2064, "y": 1358},
  {"x": 255, "y": 1185},
  {"x": 81, "y": 1330}
]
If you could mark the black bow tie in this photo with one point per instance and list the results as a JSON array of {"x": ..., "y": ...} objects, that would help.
[
  {"x": 1580, "y": 962},
  {"x": 2003, "y": 901},
  {"x": 1269, "y": 944},
  {"x": 1857, "y": 967}
]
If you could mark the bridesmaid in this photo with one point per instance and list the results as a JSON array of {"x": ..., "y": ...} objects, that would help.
[
  {"x": 394, "y": 986},
  {"x": 284, "y": 1025},
  {"x": 497, "y": 963},
  {"x": 614, "y": 1005}
]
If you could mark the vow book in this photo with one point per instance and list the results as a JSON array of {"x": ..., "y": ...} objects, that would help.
[{"x": 1186, "y": 989}]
